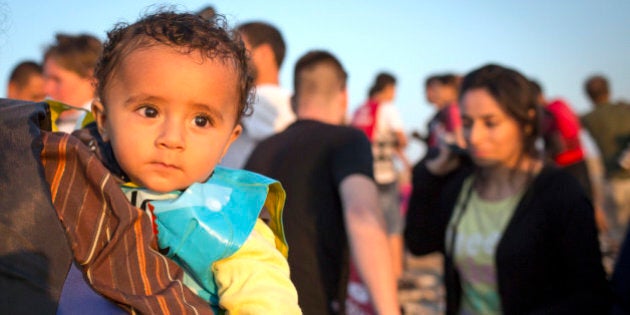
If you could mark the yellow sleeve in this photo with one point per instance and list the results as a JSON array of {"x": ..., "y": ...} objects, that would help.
[{"x": 255, "y": 279}]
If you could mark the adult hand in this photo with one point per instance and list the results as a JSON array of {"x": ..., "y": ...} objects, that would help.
[{"x": 448, "y": 157}]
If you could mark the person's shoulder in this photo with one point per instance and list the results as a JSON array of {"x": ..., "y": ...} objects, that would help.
[
  {"x": 272, "y": 89},
  {"x": 388, "y": 107},
  {"x": 551, "y": 172},
  {"x": 350, "y": 133},
  {"x": 558, "y": 106},
  {"x": 587, "y": 117},
  {"x": 328, "y": 128},
  {"x": 622, "y": 106},
  {"x": 273, "y": 94},
  {"x": 270, "y": 142},
  {"x": 556, "y": 182},
  {"x": 336, "y": 137}
]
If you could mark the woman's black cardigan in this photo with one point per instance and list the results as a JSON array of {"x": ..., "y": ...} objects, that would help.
[{"x": 548, "y": 259}]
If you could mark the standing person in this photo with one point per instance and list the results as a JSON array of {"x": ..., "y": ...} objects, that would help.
[
  {"x": 271, "y": 111},
  {"x": 441, "y": 91},
  {"x": 171, "y": 89},
  {"x": 561, "y": 133},
  {"x": 379, "y": 119},
  {"x": 69, "y": 76},
  {"x": 608, "y": 124},
  {"x": 518, "y": 236},
  {"x": 26, "y": 82},
  {"x": 332, "y": 210},
  {"x": 560, "y": 130}
]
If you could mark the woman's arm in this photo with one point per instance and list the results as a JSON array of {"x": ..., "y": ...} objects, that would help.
[{"x": 425, "y": 221}]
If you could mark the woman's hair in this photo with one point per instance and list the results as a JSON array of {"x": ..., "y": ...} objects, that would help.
[
  {"x": 514, "y": 94},
  {"x": 383, "y": 80},
  {"x": 185, "y": 32},
  {"x": 78, "y": 54},
  {"x": 448, "y": 79}
]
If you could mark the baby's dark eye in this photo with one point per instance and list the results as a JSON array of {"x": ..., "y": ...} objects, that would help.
[
  {"x": 202, "y": 121},
  {"x": 150, "y": 112}
]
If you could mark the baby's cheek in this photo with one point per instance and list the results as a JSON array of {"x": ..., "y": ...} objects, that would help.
[{"x": 206, "y": 175}]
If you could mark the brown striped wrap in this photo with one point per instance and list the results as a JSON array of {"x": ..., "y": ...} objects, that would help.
[{"x": 112, "y": 240}]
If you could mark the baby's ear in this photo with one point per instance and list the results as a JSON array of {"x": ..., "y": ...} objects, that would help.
[{"x": 100, "y": 116}]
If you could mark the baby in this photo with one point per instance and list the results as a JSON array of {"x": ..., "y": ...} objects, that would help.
[{"x": 171, "y": 89}]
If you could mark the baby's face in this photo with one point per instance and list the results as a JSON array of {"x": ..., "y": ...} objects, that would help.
[{"x": 170, "y": 117}]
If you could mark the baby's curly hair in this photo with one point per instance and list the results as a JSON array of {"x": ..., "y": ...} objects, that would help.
[{"x": 185, "y": 32}]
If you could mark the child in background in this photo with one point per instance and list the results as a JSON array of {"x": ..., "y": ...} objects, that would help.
[{"x": 171, "y": 90}]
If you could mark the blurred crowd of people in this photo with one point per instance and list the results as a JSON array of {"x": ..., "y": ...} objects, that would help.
[{"x": 506, "y": 189}]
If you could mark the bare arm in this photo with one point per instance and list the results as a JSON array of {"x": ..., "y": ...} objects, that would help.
[
  {"x": 401, "y": 138},
  {"x": 368, "y": 241}
]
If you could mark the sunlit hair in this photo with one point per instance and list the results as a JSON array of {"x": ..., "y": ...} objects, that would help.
[
  {"x": 430, "y": 80},
  {"x": 187, "y": 33},
  {"x": 23, "y": 72},
  {"x": 513, "y": 93},
  {"x": 315, "y": 58},
  {"x": 76, "y": 53},
  {"x": 382, "y": 81},
  {"x": 449, "y": 79},
  {"x": 258, "y": 33}
]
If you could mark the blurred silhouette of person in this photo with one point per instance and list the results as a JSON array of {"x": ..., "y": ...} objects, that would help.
[
  {"x": 518, "y": 235},
  {"x": 560, "y": 130},
  {"x": 561, "y": 134},
  {"x": 271, "y": 111},
  {"x": 380, "y": 120},
  {"x": 608, "y": 124},
  {"x": 69, "y": 75},
  {"x": 331, "y": 216},
  {"x": 26, "y": 82},
  {"x": 441, "y": 91}
]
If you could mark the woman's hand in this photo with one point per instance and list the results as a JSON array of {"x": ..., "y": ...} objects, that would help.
[{"x": 448, "y": 158}]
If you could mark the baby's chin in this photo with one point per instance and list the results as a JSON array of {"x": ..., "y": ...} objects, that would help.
[{"x": 161, "y": 187}]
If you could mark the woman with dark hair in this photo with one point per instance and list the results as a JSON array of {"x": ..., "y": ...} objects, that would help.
[{"x": 518, "y": 236}]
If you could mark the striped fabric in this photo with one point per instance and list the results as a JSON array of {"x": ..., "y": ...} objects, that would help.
[{"x": 112, "y": 240}]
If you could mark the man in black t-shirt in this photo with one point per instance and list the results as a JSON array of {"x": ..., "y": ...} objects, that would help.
[{"x": 331, "y": 214}]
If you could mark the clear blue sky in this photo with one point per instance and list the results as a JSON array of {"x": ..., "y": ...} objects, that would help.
[{"x": 559, "y": 43}]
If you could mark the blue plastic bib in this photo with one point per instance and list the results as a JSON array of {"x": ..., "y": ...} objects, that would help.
[{"x": 211, "y": 221}]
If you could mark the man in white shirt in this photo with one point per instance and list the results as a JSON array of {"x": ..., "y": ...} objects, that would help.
[{"x": 271, "y": 109}]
